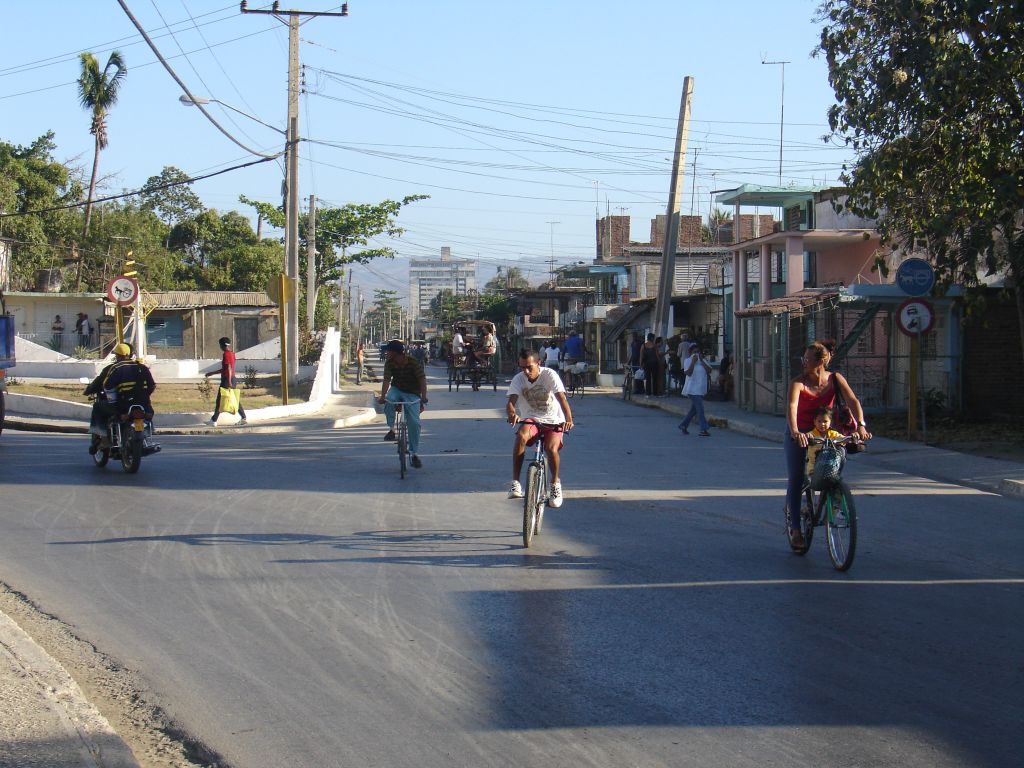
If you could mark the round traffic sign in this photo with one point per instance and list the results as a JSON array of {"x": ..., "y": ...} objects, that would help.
[
  {"x": 123, "y": 290},
  {"x": 915, "y": 277},
  {"x": 915, "y": 316}
]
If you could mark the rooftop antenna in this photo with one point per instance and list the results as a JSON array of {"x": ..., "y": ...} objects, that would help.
[{"x": 782, "y": 109}]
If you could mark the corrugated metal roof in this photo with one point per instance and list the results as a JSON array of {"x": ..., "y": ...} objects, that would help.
[
  {"x": 199, "y": 299},
  {"x": 794, "y": 301}
]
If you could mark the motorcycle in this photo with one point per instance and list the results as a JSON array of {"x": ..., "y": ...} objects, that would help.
[{"x": 129, "y": 438}]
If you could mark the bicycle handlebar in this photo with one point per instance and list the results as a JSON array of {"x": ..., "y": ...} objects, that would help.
[
  {"x": 838, "y": 441},
  {"x": 531, "y": 420}
]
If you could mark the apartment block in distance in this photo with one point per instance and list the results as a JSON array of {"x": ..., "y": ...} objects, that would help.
[{"x": 428, "y": 277}]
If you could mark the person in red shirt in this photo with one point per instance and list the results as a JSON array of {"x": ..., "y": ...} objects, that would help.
[
  {"x": 814, "y": 388},
  {"x": 227, "y": 380}
]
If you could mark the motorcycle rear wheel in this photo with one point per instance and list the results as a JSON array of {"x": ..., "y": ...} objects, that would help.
[{"x": 131, "y": 449}]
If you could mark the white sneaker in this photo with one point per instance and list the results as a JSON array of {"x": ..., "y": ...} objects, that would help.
[
  {"x": 243, "y": 423},
  {"x": 555, "y": 497},
  {"x": 211, "y": 423},
  {"x": 515, "y": 490}
]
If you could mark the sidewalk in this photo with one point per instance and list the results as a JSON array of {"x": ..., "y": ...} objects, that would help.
[
  {"x": 44, "y": 718},
  {"x": 993, "y": 475}
]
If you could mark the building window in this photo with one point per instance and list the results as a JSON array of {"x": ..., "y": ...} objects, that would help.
[
  {"x": 810, "y": 269},
  {"x": 164, "y": 332}
]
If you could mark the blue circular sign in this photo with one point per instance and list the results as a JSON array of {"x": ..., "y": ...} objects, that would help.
[{"x": 915, "y": 277}]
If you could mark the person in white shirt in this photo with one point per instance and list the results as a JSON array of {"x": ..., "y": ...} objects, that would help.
[
  {"x": 458, "y": 342},
  {"x": 543, "y": 400},
  {"x": 551, "y": 355},
  {"x": 697, "y": 377}
]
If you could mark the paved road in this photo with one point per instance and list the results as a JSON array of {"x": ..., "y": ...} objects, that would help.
[{"x": 293, "y": 603}]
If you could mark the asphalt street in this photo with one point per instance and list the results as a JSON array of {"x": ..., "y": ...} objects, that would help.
[{"x": 292, "y": 602}]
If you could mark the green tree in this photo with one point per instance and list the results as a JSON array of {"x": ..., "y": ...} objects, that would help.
[
  {"x": 220, "y": 252},
  {"x": 97, "y": 92},
  {"x": 930, "y": 98},
  {"x": 343, "y": 234},
  {"x": 445, "y": 307},
  {"x": 170, "y": 197},
  {"x": 509, "y": 279},
  {"x": 31, "y": 180}
]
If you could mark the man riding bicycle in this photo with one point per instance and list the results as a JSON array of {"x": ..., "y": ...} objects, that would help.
[
  {"x": 404, "y": 382},
  {"x": 544, "y": 401}
]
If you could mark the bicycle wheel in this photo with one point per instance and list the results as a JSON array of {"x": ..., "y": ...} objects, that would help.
[
  {"x": 533, "y": 482},
  {"x": 842, "y": 526},
  {"x": 627, "y": 387},
  {"x": 403, "y": 446},
  {"x": 542, "y": 498}
]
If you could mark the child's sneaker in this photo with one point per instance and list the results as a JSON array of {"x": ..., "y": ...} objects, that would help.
[
  {"x": 555, "y": 497},
  {"x": 515, "y": 490}
]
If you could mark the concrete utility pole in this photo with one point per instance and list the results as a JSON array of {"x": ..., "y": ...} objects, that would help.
[
  {"x": 668, "y": 253},
  {"x": 311, "y": 265},
  {"x": 291, "y": 232}
]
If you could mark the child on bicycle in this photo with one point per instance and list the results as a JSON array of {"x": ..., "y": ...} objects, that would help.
[
  {"x": 544, "y": 401},
  {"x": 822, "y": 429}
]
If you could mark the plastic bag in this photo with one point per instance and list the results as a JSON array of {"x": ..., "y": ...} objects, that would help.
[
  {"x": 229, "y": 400},
  {"x": 639, "y": 375},
  {"x": 828, "y": 466}
]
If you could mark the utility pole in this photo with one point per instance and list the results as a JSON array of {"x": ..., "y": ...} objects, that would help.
[
  {"x": 311, "y": 265},
  {"x": 668, "y": 253},
  {"x": 290, "y": 322}
]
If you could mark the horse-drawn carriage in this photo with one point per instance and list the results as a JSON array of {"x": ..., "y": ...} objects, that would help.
[{"x": 472, "y": 361}]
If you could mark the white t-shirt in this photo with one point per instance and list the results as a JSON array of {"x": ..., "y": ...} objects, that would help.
[
  {"x": 551, "y": 357},
  {"x": 537, "y": 398},
  {"x": 696, "y": 382},
  {"x": 458, "y": 343}
]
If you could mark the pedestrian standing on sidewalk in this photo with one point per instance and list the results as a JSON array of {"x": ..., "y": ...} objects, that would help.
[
  {"x": 649, "y": 363},
  {"x": 227, "y": 381},
  {"x": 698, "y": 373},
  {"x": 57, "y": 329},
  {"x": 359, "y": 364}
]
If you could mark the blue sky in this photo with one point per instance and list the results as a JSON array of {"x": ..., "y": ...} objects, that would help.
[{"x": 509, "y": 115}]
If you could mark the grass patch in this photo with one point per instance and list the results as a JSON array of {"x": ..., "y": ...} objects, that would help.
[{"x": 179, "y": 398}]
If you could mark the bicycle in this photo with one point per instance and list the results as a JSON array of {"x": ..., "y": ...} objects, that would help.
[
  {"x": 574, "y": 384},
  {"x": 628, "y": 382},
  {"x": 402, "y": 436},
  {"x": 835, "y": 510},
  {"x": 535, "y": 497}
]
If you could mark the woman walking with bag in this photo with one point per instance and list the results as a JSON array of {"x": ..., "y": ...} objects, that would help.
[{"x": 697, "y": 373}]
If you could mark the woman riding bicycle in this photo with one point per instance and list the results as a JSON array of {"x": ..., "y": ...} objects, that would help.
[{"x": 814, "y": 388}]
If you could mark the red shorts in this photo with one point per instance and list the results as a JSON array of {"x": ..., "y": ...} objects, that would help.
[{"x": 533, "y": 431}]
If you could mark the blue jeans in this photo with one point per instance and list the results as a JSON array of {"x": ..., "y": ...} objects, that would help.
[
  {"x": 696, "y": 409},
  {"x": 796, "y": 470},
  {"x": 412, "y": 414}
]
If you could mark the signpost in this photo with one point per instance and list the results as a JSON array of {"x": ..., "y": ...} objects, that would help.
[
  {"x": 914, "y": 318},
  {"x": 915, "y": 277},
  {"x": 122, "y": 291}
]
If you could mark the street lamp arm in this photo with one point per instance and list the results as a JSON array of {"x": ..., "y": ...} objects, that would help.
[
  {"x": 195, "y": 101},
  {"x": 184, "y": 87}
]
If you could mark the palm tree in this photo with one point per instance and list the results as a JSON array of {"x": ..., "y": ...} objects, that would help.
[{"x": 97, "y": 91}]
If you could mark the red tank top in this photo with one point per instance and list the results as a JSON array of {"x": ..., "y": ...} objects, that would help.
[{"x": 809, "y": 404}]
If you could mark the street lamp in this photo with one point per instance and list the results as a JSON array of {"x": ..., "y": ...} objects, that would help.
[{"x": 203, "y": 101}]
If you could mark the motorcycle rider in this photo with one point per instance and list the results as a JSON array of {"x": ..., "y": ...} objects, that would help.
[{"x": 122, "y": 383}]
